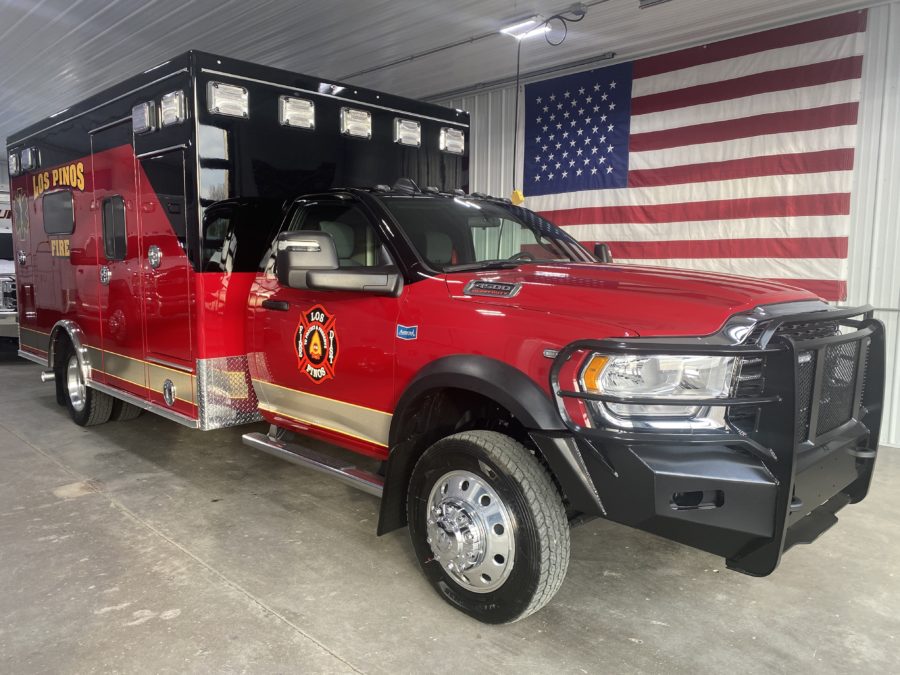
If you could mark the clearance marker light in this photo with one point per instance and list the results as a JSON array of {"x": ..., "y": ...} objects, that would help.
[
  {"x": 452, "y": 140},
  {"x": 356, "y": 123},
  {"x": 407, "y": 132},
  {"x": 228, "y": 99},
  {"x": 297, "y": 112},
  {"x": 13, "y": 164},
  {"x": 31, "y": 158},
  {"x": 143, "y": 117},
  {"x": 172, "y": 109}
]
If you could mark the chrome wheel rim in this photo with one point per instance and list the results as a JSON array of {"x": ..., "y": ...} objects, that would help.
[
  {"x": 469, "y": 530},
  {"x": 75, "y": 384}
]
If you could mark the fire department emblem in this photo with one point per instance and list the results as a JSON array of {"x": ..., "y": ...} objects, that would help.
[
  {"x": 317, "y": 344},
  {"x": 20, "y": 213}
]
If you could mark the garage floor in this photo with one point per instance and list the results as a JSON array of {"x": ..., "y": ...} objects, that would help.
[{"x": 143, "y": 546}]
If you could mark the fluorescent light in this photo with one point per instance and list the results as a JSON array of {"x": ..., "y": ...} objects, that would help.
[
  {"x": 526, "y": 28},
  {"x": 644, "y": 4}
]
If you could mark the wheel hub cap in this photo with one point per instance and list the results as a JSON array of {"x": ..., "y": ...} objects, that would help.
[
  {"x": 469, "y": 531},
  {"x": 75, "y": 384}
]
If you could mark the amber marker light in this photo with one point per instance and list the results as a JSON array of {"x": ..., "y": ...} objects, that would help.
[{"x": 591, "y": 375}]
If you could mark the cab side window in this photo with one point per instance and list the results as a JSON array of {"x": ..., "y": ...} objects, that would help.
[
  {"x": 113, "y": 220},
  {"x": 356, "y": 241}
]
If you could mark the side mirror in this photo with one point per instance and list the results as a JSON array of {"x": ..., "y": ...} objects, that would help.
[
  {"x": 308, "y": 260},
  {"x": 296, "y": 253},
  {"x": 602, "y": 253}
]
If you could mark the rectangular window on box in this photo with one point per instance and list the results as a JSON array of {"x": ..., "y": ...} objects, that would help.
[
  {"x": 114, "y": 238},
  {"x": 59, "y": 212}
]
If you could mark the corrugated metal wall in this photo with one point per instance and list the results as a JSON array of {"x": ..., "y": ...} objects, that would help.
[{"x": 875, "y": 207}]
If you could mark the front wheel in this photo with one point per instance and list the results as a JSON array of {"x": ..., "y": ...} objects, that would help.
[{"x": 488, "y": 526}]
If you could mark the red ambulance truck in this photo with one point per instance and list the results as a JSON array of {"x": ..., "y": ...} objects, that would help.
[{"x": 219, "y": 242}]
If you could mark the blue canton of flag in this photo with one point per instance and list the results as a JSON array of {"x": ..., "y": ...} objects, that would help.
[{"x": 576, "y": 131}]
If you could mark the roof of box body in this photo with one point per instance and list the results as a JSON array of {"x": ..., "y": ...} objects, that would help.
[{"x": 196, "y": 63}]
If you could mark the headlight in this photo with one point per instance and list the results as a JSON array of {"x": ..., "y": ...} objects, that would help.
[{"x": 684, "y": 378}]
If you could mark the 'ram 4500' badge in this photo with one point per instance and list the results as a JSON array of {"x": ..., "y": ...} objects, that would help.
[{"x": 317, "y": 344}]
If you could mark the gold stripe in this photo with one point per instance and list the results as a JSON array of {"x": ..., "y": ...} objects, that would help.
[
  {"x": 321, "y": 426},
  {"x": 324, "y": 398},
  {"x": 32, "y": 330},
  {"x": 345, "y": 418}
]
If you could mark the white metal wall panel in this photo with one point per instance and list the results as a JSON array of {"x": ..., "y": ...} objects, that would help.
[
  {"x": 875, "y": 208},
  {"x": 875, "y": 201}
]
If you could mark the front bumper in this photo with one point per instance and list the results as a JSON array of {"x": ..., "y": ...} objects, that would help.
[
  {"x": 9, "y": 325},
  {"x": 747, "y": 492}
]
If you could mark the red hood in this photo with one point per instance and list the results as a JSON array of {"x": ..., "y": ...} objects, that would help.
[{"x": 646, "y": 300}]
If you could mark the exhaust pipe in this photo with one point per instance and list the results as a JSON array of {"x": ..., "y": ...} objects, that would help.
[{"x": 47, "y": 376}]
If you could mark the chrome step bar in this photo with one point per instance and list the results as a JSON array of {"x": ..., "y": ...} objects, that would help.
[{"x": 317, "y": 461}]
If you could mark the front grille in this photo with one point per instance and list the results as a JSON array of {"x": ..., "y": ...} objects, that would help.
[
  {"x": 835, "y": 401},
  {"x": 7, "y": 294},
  {"x": 838, "y": 384}
]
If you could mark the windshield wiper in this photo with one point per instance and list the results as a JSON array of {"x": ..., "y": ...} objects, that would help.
[{"x": 486, "y": 265}]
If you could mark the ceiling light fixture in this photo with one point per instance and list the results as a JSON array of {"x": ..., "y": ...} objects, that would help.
[
  {"x": 644, "y": 4},
  {"x": 526, "y": 28}
]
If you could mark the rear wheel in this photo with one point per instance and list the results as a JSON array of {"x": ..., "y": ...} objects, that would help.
[
  {"x": 488, "y": 526},
  {"x": 87, "y": 406},
  {"x": 123, "y": 411}
]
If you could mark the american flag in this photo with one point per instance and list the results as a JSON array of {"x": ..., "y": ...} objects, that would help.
[{"x": 735, "y": 157}]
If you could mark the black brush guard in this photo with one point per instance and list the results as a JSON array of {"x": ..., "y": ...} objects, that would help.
[{"x": 791, "y": 454}]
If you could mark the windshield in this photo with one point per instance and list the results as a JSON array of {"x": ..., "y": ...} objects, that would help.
[{"x": 461, "y": 234}]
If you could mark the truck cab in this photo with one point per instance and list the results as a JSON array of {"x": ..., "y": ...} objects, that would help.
[{"x": 513, "y": 383}]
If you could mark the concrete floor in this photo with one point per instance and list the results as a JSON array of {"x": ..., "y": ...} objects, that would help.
[{"x": 146, "y": 547}]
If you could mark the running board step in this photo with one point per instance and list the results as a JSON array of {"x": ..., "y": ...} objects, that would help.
[{"x": 317, "y": 461}]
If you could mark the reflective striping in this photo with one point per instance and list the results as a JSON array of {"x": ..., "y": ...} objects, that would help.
[
  {"x": 365, "y": 424},
  {"x": 34, "y": 339}
]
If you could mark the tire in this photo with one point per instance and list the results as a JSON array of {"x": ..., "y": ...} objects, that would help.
[
  {"x": 460, "y": 490},
  {"x": 123, "y": 411},
  {"x": 87, "y": 407}
]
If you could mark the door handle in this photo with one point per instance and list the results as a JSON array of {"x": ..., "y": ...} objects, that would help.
[
  {"x": 22, "y": 258},
  {"x": 105, "y": 275},
  {"x": 279, "y": 305}
]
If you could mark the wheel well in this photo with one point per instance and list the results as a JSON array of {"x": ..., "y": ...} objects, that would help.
[{"x": 435, "y": 414}]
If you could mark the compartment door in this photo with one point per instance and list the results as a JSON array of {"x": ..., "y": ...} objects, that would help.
[{"x": 166, "y": 274}]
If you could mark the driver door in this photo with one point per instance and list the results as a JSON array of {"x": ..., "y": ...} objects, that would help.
[{"x": 325, "y": 359}]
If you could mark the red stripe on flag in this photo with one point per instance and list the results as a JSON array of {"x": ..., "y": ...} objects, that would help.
[
  {"x": 835, "y": 204},
  {"x": 757, "y": 125},
  {"x": 760, "y": 83},
  {"x": 828, "y": 289},
  {"x": 771, "y": 165},
  {"x": 810, "y": 31},
  {"x": 768, "y": 247}
]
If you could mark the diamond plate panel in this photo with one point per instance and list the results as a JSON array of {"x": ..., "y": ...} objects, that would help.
[{"x": 225, "y": 395}]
